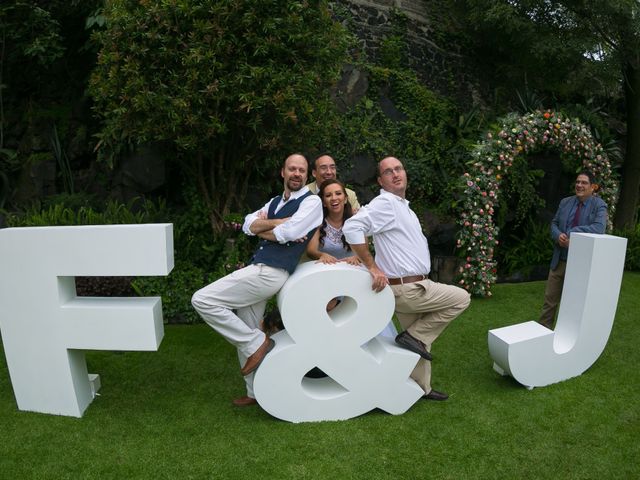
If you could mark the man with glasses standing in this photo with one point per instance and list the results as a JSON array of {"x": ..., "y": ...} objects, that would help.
[
  {"x": 424, "y": 308},
  {"x": 582, "y": 212},
  {"x": 324, "y": 168}
]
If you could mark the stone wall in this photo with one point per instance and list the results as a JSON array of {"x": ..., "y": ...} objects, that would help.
[{"x": 441, "y": 66}]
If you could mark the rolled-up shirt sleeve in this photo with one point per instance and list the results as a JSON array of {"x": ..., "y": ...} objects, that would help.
[
  {"x": 307, "y": 217},
  {"x": 376, "y": 217},
  {"x": 358, "y": 227},
  {"x": 250, "y": 218}
]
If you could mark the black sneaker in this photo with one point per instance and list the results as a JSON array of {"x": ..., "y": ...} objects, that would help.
[{"x": 406, "y": 340}]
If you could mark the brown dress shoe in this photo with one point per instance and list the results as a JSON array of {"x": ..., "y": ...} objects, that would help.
[
  {"x": 408, "y": 341},
  {"x": 256, "y": 358},
  {"x": 434, "y": 395},
  {"x": 244, "y": 401}
]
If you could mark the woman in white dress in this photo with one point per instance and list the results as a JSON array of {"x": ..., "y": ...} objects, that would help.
[{"x": 328, "y": 244}]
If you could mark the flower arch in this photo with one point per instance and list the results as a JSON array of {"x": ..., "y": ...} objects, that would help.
[{"x": 493, "y": 158}]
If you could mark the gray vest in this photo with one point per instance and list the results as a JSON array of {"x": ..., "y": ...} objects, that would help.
[{"x": 282, "y": 255}]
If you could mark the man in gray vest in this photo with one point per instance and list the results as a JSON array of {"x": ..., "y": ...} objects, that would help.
[{"x": 284, "y": 224}]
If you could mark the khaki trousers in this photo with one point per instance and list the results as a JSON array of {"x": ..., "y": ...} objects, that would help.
[
  {"x": 552, "y": 294},
  {"x": 425, "y": 309}
]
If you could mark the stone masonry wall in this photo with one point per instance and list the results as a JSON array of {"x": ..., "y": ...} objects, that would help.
[{"x": 441, "y": 67}]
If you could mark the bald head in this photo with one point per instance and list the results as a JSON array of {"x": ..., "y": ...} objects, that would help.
[
  {"x": 392, "y": 176},
  {"x": 294, "y": 172}
]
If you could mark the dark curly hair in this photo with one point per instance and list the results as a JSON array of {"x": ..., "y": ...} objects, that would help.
[{"x": 347, "y": 213}]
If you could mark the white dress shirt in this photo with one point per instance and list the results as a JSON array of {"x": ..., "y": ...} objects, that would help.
[
  {"x": 307, "y": 217},
  {"x": 401, "y": 248}
]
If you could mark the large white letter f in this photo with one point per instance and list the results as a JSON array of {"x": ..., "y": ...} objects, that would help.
[{"x": 45, "y": 327}]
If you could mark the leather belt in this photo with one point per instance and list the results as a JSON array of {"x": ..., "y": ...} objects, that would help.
[{"x": 409, "y": 279}]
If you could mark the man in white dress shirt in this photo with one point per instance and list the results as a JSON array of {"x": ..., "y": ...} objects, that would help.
[
  {"x": 424, "y": 308},
  {"x": 285, "y": 225}
]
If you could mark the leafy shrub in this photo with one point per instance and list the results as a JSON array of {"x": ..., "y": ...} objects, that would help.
[
  {"x": 421, "y": 133},
  {"x": 200, "y": 257},
  {"x": 632, "y": 259},
  {"x": 136, "y": 211},
  {"x": 231, "y": 85},
  {"x": 524, "y": 251},
  {"x": 176, "y": 290}
]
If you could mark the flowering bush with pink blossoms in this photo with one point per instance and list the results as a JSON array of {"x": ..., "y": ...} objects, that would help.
[{"x": 492, "y": 158}]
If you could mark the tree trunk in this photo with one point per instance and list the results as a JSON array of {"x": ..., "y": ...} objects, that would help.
[
  {"x": 201, "y": 181},
  {"x": 627, "y": 210}
]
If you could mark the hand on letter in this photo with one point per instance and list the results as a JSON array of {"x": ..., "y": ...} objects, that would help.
[
  {"x": 379, "y": 279},
  {"x": 326, "y": 258},
  {"x": 354, "y": 260},
  {"x": 563, "y": 240}
]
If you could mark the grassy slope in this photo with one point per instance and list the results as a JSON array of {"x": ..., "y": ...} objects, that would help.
[{"x": 167, "y": 414}]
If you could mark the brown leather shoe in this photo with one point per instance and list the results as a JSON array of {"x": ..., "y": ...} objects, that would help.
[
  {"x": 434, "y": 395},
  {"x": 408, "y": 341},
  {"x": 256, "y": 358},
  {"x": 244, "y": 401}
]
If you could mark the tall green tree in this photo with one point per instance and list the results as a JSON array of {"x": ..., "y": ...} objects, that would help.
[
  {"x": 231, "y": 84},
  {"x": 616, "y": 26},
  {"x": 571, "y": 50},
  {"x": 45, "y": 60}
]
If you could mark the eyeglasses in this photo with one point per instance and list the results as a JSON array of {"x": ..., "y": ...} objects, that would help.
[
  {"x": 325, "y": 168},
  {"x": 390, "y": 171}
]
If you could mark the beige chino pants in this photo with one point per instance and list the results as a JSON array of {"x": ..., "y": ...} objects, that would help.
[{"x": 425, "y": 309}]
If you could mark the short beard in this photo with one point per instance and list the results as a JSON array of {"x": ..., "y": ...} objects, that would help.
[{"x": 294, "y": 189}]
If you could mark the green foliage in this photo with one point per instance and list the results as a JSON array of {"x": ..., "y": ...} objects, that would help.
[
  {"x": 420, "y": 134},
  {"x": 493, "y": 160},
  {"x": 394, "y": 48},
  {"x": 200, "y": 258},
  {"x": 632, "y": 259},
  {"x": 62, "y": 160},
  {"x": 136, "y": 211},
  {"x": 535, "y": 46},
  {"x": 532, "y": 246},
  {"x": 598, "y": 119},
  {"x": 195, "y": 242},
  {"x": 43, "y": 68},
  {"x": 232, "y": 84},
  {"x": 8, "y": 163},
  {"x": 30, "y": 31},
  {"x": 522, "y": 198},
  {"x": 176, "y": 290}
]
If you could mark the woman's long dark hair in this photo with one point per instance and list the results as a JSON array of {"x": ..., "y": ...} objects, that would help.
[{"x": 347, "y": 213}]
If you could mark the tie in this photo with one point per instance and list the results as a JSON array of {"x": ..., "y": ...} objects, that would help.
[{"x": 576, "y": 217}]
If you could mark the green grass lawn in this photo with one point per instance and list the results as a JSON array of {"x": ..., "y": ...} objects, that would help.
[{"x": 168, "y": 414}]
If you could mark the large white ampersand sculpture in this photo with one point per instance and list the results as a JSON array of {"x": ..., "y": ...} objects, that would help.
[
  {"x": 46, "y": 328},
  {"x": 364, "y": 371},
  {"x": 536, "y": 356}
]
